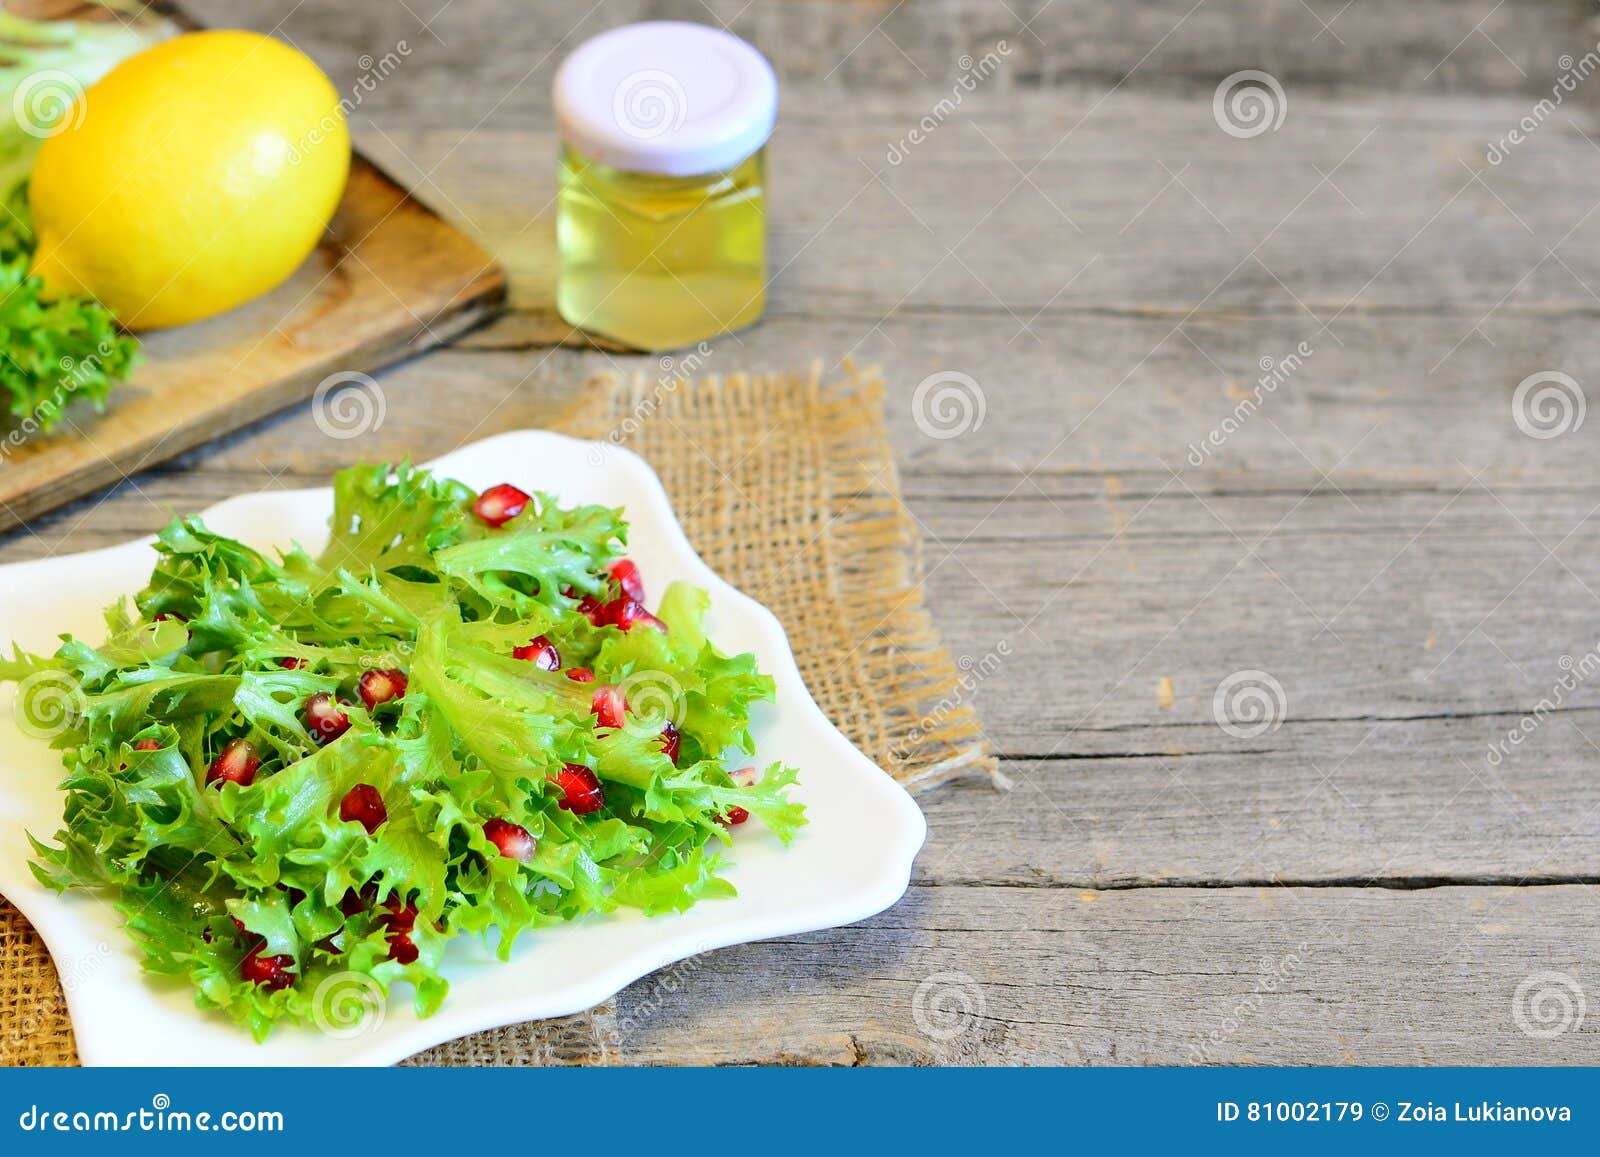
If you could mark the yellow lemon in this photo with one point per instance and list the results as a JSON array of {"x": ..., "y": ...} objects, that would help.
[{"x": 197, "y": 175}]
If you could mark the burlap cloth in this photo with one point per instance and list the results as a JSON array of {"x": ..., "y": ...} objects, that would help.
[{"x": 787, "y": 488}]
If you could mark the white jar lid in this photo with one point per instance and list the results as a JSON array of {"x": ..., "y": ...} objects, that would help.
[{"x": 666, "y": 97}]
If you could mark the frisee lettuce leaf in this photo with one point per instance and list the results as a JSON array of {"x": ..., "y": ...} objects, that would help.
[
  {"x": 52, "y": 352},
  {"x": 410, "y": 580}
]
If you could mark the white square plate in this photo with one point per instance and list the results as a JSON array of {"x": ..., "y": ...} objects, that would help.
[{"x": 853, "y": 859}]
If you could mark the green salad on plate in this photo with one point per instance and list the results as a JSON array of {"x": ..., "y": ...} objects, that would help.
[{"x": 459, "y": 718}]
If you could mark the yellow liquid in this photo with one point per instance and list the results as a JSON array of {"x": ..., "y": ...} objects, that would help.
[{"x": 660, "y": 262}]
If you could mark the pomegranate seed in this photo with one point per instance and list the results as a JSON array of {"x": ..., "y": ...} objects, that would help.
[
  {"x": 239, "y": 924},
  {"x": 401, "y": 948},
  {"x": 625, "y": 573},
  {"x": 400, "y": 918},
  {"x": 237, "y": 764},
  {"x": 324, "y": 719},
  {"x": 291, "y": 664},
  {"x": 382, "y": 686},
  {"x": 581, "y": 790},
  {"x": 626, "y": 613},
  {"x": 141, "y": 745},
  {"x": 351, "y": 903},
  {"x": 513, "y": 840},
  {"x": 580, "y": 675},
  {"x": 363, "y": 805},
  {"x": 498, "y": 505},
  {"x": 270, "y": 972},
  {"x": 671, "y": 741},
  {"x": 736, "y": 815},
  {"x": 541, "y": 652},
  {"x": 170, "y": 616},
  {"x": 592, "y": 609},
  {"x": 744, "y": 777},
  {"x": 607, "y": 706}
]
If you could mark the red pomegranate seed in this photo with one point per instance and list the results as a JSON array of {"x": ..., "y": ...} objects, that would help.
[
  {"x": 237, "y": 764},
  {"x": 382, "y": 686},
  {"x": 744, "y": 777},
  {"x": 324, "y": 719},
  {"x": 626, "y": 613},
  {"x": 671, "y": 741},
  {"x": 400, "y": 918},
  {"x": 592, "y": 609},
  {"x": 607, "y": 706},
  {"x": 541, "y": 652},
  {"x": 239, "y": 924},
  {"x": 401, "y": 948},
  {"x": 291, "y": 664},
  {"x": 581, "y": 790},
  {"x": 363, "y": 805},
  {"x": 351, "y": 902},
  {"x": 580, "y": 674},
  {"x": 625, "y": 573},
  {"x": 498, "y": 505},
  {"x": 170, "y": 616},
  {"x": 513, "y": 840},
  {"x": 270, "y": 972},
  {"x": 736, "y": 815},
  {"x": 142, "y": 745}
]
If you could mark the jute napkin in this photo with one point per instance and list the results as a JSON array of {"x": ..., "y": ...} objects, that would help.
[{"x": 786, "y": 486}]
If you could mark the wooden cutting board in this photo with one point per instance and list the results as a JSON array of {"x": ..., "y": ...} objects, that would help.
[{"x": 390, "y": 278}]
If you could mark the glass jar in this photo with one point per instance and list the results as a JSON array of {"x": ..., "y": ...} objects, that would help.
[{"x": 661, "y": 213}]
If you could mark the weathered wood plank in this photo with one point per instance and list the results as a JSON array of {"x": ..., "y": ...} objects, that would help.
[
  {"x": 1426, "y": 45},
  {"x": 1154, "y": 976},
  {"x": 1026, "y": 205}
]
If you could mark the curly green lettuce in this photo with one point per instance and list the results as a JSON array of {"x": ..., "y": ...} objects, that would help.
[
  {"x": 52, "y": 352},
  {"x": 253, "y": 886}
]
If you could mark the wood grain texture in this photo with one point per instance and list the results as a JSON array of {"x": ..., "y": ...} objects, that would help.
[{"x": 1380, "y": 536}]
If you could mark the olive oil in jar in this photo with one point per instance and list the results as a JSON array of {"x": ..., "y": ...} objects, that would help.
[{"x": 661, "y": 218}]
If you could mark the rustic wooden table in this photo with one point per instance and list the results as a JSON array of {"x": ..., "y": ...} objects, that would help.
[{"x": 1383, "y": 552}]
